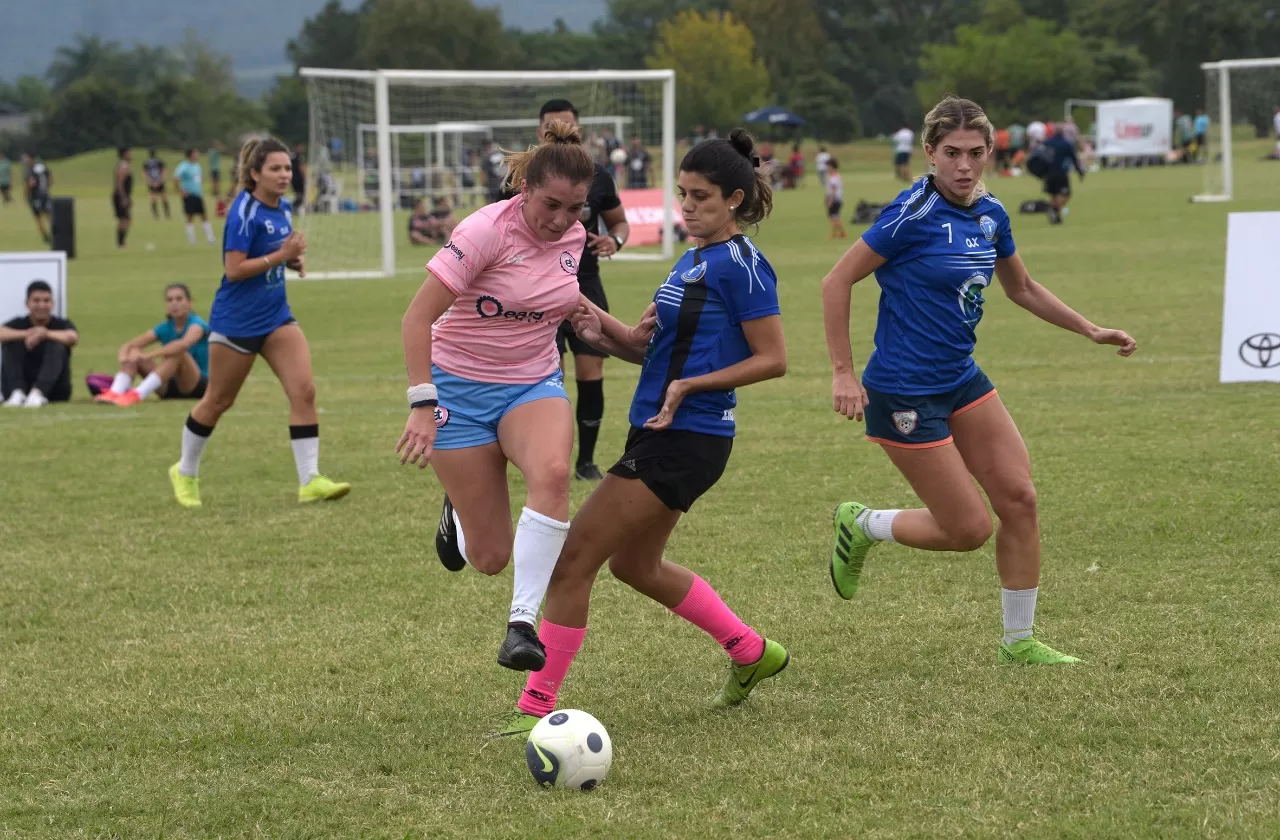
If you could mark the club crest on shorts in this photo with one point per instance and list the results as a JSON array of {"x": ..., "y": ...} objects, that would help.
[
  {"x": 442, "y": 416},
  {"x": 568, "y": 263},
  {"x": 695, "y": 274},
  {"x": 905, "y": 421},
  {"x": 988, "y": 226}
]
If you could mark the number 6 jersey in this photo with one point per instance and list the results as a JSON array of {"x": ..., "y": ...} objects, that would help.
[{"x": 257, "y": 305}]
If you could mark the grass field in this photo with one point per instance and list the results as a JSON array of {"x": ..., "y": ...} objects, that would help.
[{"x": 260, "y": 669}]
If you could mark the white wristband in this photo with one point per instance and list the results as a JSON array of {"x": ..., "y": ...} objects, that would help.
[{"x": 421, "y": 393}]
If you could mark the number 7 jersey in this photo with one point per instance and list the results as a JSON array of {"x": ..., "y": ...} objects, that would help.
[{"x": 939, "y": 257}]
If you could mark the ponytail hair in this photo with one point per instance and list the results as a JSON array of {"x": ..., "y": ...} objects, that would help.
[
  {"x": 559, "y": 155},
  {"x": 253, "y": 155},
  {"x": 733, "y": 165}
]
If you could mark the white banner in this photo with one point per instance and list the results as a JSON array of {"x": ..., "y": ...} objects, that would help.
[
  {"x": 1251, "y": 303},
  {"x": 18, "y": 269},
  {"x": 1141, "y": 127}
]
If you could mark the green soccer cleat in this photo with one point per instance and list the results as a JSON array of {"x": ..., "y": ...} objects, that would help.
[
  {"x": 743, "y": 678},
  {"x": 1030, "y": 651},
  {"x": 185, "y": 488},
  {"x": 517, "y": 724},
  {"x": 321, "y": 489},
  {"x": 850, "y": 549}
]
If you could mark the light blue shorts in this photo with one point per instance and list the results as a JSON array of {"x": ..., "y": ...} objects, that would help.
[{"x": 469, "y": 411}]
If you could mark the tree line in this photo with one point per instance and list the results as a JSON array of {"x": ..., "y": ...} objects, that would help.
[{"x": 850, "y": 67}]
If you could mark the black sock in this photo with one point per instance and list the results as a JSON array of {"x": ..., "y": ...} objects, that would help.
[
  {"x": 590, "y": 412},
  {"x": 119, "y": 237},
  {"x": 198, "y": 428}
]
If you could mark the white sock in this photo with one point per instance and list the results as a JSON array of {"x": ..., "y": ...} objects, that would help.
[
  {"x": 1019, "y": 607},
  {"x": 306, "y": 455},
  {"x": 192, "y": 448},
  {"x": 462, "y": 543},
  {"x": 191, "y": 233},
  {"x": 878, "y": 524},
  {"x": 538, "y": 542},
  {"x": 208, "y": 232},
  {"x": 149, "y": 385},
  {"x": 121, "y": 383}
]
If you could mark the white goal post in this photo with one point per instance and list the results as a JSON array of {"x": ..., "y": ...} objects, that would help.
[
  {"x": 1219, "y": 181},
  {"x": 425, "y": 125}
]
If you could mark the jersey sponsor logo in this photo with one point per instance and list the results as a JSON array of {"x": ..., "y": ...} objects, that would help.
[
  {"x": 568, "y": 263},
  {"x": 905, "y": 421},
  {"x": 971, "y": 299},
  {"x": 517, "y": 259},
  {"x": 488, "y": 306},
  {"x": 988, "y": 226},
  {"x": 695, "y": 274},
  {"x": 442, "y": 416},
  {"x": 455, "y": 250},
  {"x": 727, "y": 416}
]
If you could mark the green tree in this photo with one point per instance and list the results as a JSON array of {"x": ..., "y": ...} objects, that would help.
[
  {"x": 714, "y": 86},
  {"x": 431, "y": 35},
  {"x": 88, "y": 56},
  {"x": 628, "y": 32},
  {"x": 29, "y": 93},
  {"x": 94, "y": 113},
  {"x": 288, "y": 111},
  {"x": 330, "y": 38}
]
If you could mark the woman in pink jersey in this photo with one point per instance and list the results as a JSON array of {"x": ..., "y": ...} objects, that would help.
[{"x": 485, "y": 380}]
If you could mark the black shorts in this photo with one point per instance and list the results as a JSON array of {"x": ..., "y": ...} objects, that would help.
[
  {"x": 566, "y": 339},
  {"x": 156, "y": 189},
  {"x": 247, "y": 345},
  {"x": 121, "y": 207},
  {"x": 4, "y": 191},
  {"x": 901, "y": 158},
  {"x": 173, "y": 392},
  {"x": 40, "y": 205},
  {"x": 1057, "y": 183},
  {"x": 193, "y": 205},
  {"x": 833, "y": 212},
  {"x": 677, "y": 466}
]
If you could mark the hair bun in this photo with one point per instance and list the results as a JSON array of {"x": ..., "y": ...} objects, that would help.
[
  {"x": 742, "y": 141},
  {"x": 565, "y": 133}
]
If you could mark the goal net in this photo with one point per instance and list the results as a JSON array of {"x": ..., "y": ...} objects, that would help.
[
  {"x": 1240, "y": 100},
  {"x": 381, "y": 141}
]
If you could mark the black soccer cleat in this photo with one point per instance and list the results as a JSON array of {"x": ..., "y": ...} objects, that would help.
[
  {"x": 587, "y": 472},
  {"x": 447, "y": 540},
  {"x": 522, "y": 650}
]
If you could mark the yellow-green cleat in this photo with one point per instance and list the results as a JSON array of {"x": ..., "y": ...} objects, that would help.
[
  {"x": 321, "y": 489},
  {"x": 517, "y": 724},
  {"x": 185, "y": 488},
  {"x": 1030, "y": 651},
  {"x": 849, "y": 551},
  {"x": 743, "y": 678}
]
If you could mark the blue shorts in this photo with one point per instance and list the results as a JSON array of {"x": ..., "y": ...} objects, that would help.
[
  {"x": 921, "y": 422},
  {"x": 469, "y": 411}
]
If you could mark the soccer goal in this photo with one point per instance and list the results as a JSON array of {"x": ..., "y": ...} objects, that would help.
[
  {"x": 1240, "y": 96},
  {"x": 381, "y": 140}
]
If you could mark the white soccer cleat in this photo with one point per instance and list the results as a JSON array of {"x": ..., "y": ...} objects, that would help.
[
  {"x": 35, "y": 400},
  {"x": 16, "y": 399}
]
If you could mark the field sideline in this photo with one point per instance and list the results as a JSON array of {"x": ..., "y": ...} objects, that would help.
[{"x": 264, "y": 670}]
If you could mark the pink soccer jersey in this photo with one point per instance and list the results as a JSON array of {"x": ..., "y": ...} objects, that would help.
[{"x": 514, "y": 290}]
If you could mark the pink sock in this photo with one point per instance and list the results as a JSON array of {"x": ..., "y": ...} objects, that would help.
[
  {"x": 562, "y": 644},
  {"x": 703, "y": 607}
]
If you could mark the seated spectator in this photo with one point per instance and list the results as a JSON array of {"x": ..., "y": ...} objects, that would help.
[
  {"x": 432, "y": 228},
  {"x": 178, "y": 369},
  {"x": 35, "y": 353}
]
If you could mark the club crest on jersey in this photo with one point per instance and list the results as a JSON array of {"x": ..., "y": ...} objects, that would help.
[
  {"x": 568, "y": 263},
  {"x": 905, "y": 421},
  {"x": 695, "y": 274},
  {"x": 442, "y": 416},
  {"x": 988, "y": 226}
]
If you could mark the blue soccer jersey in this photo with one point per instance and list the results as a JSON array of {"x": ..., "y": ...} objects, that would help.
[
  {"x": 166, "y": 331},
  {"x": 701, "y": 308},
  {"x": 938, "y": 259},
  {"x": 257, "y": 305}
]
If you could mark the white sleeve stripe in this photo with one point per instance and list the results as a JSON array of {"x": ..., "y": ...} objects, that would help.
[
  {"x": 244, "y": 222},
  {"x": 736, "y": 254}
]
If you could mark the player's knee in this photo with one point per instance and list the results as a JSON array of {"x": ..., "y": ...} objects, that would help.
[
  {"x": 631, "y": 574},
  {"x": 303, "y": 393},
  {"x": 488, "y": 560},
  {"x": 1017, "y": 503},
  {"x": 971, "y": 533},
  {"x": 217, "y": 403},
  {"x": 549, "y": 480}
]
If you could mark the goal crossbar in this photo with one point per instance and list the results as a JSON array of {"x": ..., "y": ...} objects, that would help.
[{"x": 1224, "y": 69}]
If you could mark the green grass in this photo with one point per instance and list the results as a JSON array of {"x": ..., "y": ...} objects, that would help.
[{"x": 261, "y": 669}]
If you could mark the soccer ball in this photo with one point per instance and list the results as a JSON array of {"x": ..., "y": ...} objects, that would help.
[
  {"x": 569, "y": 749},
  {"x": 618, "y": 157}
]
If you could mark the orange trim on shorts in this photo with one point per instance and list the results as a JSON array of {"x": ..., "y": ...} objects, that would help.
[
  {"x": 979, "y": 401},
  {"x": 930, "y": 445}
]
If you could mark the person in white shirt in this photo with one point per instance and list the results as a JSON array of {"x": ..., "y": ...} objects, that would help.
[
  {"x": 834, "y": 195},
  {"x": 1036, "y": 132},
  {"x": 904, "y": 139},
  {"x": 820, "y": 161}
]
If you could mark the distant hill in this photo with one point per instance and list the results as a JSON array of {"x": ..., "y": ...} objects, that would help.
[{"x": 32, "y": 31}]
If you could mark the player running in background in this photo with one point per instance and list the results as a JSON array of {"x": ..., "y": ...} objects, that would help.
[
  {"x": 904, "y": 141},
  {"x": 179, "y": 369},
  {"x": 251, "y": 317},
  {"x": 122, "y": 194},
  {"x": 718, "y": 328},
  {"x": 37, "y": 182},
  {"x": 834, "y": 195},
  {"x": 153, "y": 169},
  {"x": 485, "y": 386},
  {"x": 1052, "y": 161},
  {"x": 189, "y": 178},
  {"x": 929, "y": 406}
]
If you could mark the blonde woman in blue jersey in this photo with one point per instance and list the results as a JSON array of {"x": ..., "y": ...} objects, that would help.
[
  {"x": 714, "y": 326},
  {"x": 933, "y": 411}
]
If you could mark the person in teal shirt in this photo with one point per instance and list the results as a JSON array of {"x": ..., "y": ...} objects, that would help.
[
  {"x": 1202, "y": 136},
  {"x": 6, "y": 178},
  {"x": 189, "y": 176},
  {"x": 179, "y": 369}
]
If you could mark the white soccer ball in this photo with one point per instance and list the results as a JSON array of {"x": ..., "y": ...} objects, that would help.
[
  {"x": 569, "y": 749},
  {"x": 618, "y": 156}
]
